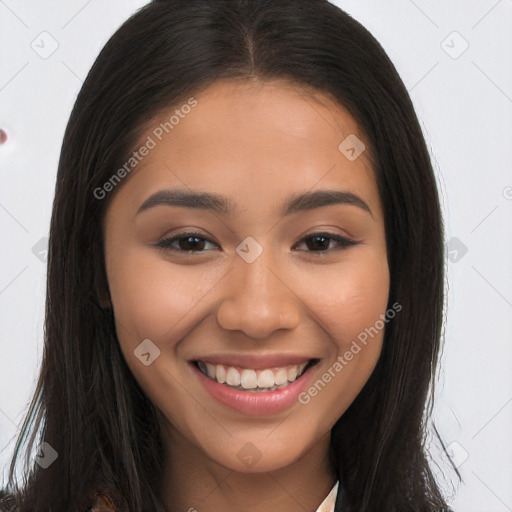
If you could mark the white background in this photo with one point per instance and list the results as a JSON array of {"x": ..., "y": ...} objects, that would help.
[{"x": 464, "y": 101}]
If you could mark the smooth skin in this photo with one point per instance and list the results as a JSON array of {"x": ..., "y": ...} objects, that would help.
[{"x": 258, "y": 143}]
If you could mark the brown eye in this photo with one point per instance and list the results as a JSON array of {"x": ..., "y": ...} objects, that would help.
[
  {"x": 184, "y": 242},
  {"x": 320, "y": 242}
]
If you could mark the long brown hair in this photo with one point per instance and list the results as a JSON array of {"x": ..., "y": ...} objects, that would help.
[{"x": 88, "y": 407}]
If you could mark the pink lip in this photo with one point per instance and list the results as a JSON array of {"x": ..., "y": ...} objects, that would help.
[
  {"x": 254, "y": 402},
  {"x": 255, "y": 362}
]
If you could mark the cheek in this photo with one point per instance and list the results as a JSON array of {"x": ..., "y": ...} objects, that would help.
[
  {"x": 349, "y": 298},
  {"x": 348, "y": 304},
  {"x": 152, "y": 298}
]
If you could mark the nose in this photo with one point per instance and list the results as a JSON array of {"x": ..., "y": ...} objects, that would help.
[{"x": 258, "y": 299}]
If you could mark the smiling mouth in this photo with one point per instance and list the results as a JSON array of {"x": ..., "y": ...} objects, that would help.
[{"x": 247, "y": 379}]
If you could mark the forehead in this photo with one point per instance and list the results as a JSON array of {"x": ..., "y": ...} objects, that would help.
[
  {"x": 278, "y": 116},
  {"x": 256, "y": 141}
]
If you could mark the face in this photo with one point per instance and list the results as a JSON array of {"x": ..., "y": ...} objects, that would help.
[{"x": 268, "y": 294}]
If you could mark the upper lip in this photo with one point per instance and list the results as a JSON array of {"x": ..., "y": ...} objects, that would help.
[{"x": 255, "y": 362}]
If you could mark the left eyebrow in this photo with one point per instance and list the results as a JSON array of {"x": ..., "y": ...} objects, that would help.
[
  {"x": 225, "y": 206},
  {"x": 319, "y": 198}
]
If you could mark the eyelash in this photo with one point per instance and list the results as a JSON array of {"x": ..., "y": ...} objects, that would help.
[{"x": 165, "y": 243}]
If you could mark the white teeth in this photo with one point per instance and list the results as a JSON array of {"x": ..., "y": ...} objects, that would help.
[
  {"x": 292, "y": 374},
  {"x": 281, "y": 377},
  {"x": 248, "y": 380},
  {"x": 254, "y": 380},
  {"x": 233, "y": 377},
  {"x": 210, "y": 370},
  {"x": 220, "y": 374},
  {"x": 266, "y": 379}
]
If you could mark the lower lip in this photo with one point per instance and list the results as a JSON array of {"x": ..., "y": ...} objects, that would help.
[{"x": 255, "y": 402}]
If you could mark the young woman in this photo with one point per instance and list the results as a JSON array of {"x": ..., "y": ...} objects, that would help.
[{"x": 245, "y": 274}]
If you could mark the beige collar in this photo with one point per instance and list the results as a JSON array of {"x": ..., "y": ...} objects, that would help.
[{"x": 328, "y": 504}]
